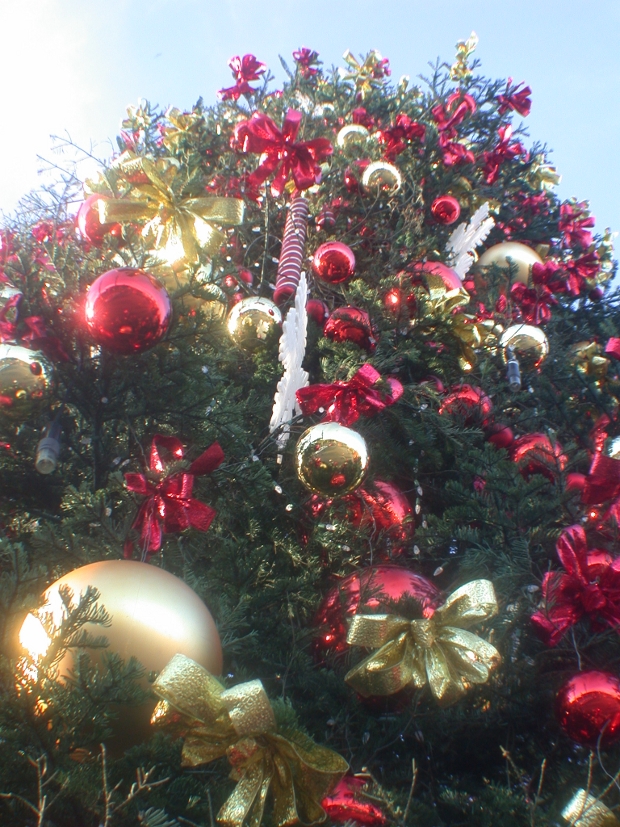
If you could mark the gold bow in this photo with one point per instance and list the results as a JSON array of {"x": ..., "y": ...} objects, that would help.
[
  {"x": 437, "y": 650},
  {"x": 472, "y": 334},
  {"x": 179, "y": 226},
  {"x": 583, "y": 810},
  {"x": 240, "y": 724},
  {"x": 364, "y": 75},
  {"x": 588, "y": 359}
]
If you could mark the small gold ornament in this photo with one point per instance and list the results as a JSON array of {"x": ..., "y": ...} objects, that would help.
[
  {"x": 352, "y": 137},
  {"x": 154, "y": 615},
  {"x": 252, "y": 320},
  {"x": 381, "y": 177},
  {"x": 511, "y": 253},
  {"x": 331, "y": 460},
  {"x": 529, "y": 343},
  {"x": 588, "y": 358},
  {"x": 26, "y": 379},
  {"x": 368, "y": 75},
  {"x": 583, "y": 810}
]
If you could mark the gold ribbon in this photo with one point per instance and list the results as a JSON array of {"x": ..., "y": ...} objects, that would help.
[
  {"x": 471, "y": 334},
  {"x": 588, "y": 359},
  {"x": 438, "y": 650},
  {"x": 583, "y": 810},
  {"x": 240, "y": 724},
  {"x": 363, "y": 74},
  {"x": 174, "y": 222}
]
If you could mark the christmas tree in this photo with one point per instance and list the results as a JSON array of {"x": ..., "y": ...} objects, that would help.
[{"x": 311, "y": 468}]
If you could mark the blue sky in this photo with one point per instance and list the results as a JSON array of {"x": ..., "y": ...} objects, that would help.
[{"x": 74, "y": 65}]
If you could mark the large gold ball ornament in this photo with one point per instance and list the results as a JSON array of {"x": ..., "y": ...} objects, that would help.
[
  {"x": 331, "y": 460},
  {"x": 352, "y": 137},
  {"x": 382, "y": 177},
  {"x": 511, "y": 253},
  {"x": 26, "y": 380},
  {"x": 154, "y": 615},
  {"x": 252, "y": 320},
  {"x": 529, "y": 344}
]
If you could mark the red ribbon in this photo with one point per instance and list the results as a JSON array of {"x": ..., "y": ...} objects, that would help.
[
  {"x": 590, "y": 585},
  {"x": 244, "y": 70},
  {"x": 516, "y": 99},
  {"x": 345, "y": 402},
  {"x": 395, "y": 138},
  {"x": 281, "y": 155},
  {"x": 602, "y": 483},
  {"x": 612, "y": 348},
  {"x": 574, "y": 219},
  {"x": 504, "y": 151},
  {"x": 306, "y": 59},
  {"x": 170, "y": 507},
  {"x": 533, "y": 302}
]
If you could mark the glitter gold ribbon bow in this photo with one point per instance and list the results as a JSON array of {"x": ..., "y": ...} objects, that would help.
[
  {"x": 368, "y": 75},
  {"x": 438, "y": 650},
  {"x": 181, "y": 226},
  {"x": 588, "y": 358},
  {"x": 472, "y": 333},
  {"x": 584, "y": 810},
  {"x": 240, "y": 724}
]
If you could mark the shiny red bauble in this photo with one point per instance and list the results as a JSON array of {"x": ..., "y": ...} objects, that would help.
[
  {"x": 127, "y": 310},
  {"x": 347, "y": 803},
  {"x": 370, "y": 590},
  {"x": 318, "y": 311},
  {"x": 351, "y": 324},
  {"x": 468, "y": 402},
  {"x": 89, "y": 224},
  {"x": 334, "y": 262},
  {"x": 499, "y": 435},
  {"x": 536, "y": 454},
  {"x": 448, "y": 276},
  {"x": 588, "y": 708},
  {"x": 445, "y": 209}
]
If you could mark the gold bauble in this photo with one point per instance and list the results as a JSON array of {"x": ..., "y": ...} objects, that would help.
[
  {"x": 252, "y": 320},
  {"x": 352, "y": 137},
  {"x": 529, "y": 343},
  {"x": 382, "y": 177},
  {"x": 154, "y": 615},
  {"x": 26, "y": 378},
  {"x": 331, "y": 460},
  {"x": 511, "y": 253}
]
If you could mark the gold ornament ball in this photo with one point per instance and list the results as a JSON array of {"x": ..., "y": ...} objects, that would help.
[
  {"x": 529, "y": 343},
  {"x": 352, "y": 137},
  {"x": 26, "y": 379},
  {"x": 154, "y": 615},
  {"x": 331, "y": 460},
  {"x": 381, "y": 177},
  {"x": 252, "y": 320},
  {"x": 511, "y": 253}
]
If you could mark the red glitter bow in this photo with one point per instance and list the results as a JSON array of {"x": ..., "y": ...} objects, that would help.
[
  {"x": 244, "y": 70},
  {"x": 504, "y": 151},
  {"x": 602, "y": 484},
  {"x": 447, "y": 118},
  {"x": 395, "y": 138},
  {"x": 281, "y": 155},
  {"x": 306, "y": 60},
  {"x": 345, "y": 402},
  {"x": 534, "y": 302},
  {"x": 590, "y": 585},
  {"x": 170, "y": 507},
  {"x": 574, "y": 221},
  {"x": 516, "y": 99}
]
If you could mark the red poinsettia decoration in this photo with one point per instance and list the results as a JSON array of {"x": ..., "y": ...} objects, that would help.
[
  {"x": 575, "y": 224},
  {"x": 282, "y": 156},
  {"x": 169, "y": 507},
  {"x": 244, "y": 70},
  {"x": 588, "y": 586},
  {"x": 515, "y": 98},
  {"x": 395, "y": 138},
  {"x": 306, "y": 60}
]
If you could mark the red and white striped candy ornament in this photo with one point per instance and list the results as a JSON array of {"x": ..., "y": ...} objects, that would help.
[{"x": 292, "y": 253}]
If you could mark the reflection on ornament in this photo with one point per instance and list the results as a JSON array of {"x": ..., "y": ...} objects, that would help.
[
  {"x": 353, "y": 136},
  {"x": 588, "y": 708},
  {"x": 445, "y": 209},
  {"x": 154, "y": 615},
  {"x": 330, "y": 459},
  {"x": 26, "y": 379},
  {"x": 511, "y": 253},
  {"x": 528, "y": 343},
  {"x": 351, "y": 324},
  {"x": 252, "y": 320},
  {"x": 382, "y": 177},
  {"x": 127, "y": 310},
  {"x": 89, "y": 222},
  {"x": 334, "y": 262}
]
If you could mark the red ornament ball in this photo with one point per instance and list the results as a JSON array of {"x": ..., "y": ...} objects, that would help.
[
  {"x": 346, "y": 803},
  {"x": 448, "y": 276},
  {"x": 334, "y": 262},
  {"x": 318, "y": 311},
  {"x": 499, "y": 435},
  {"x": 127, "y": 310},
  {"x": 468, "y": 402},
  {"x": 536, "y": 454},
  {"x": 588, "y": 708},
  {"x": 445, "y": 209},
  {"x": 351, "y": 324},
  {"x": 596, "y": 294},
  {"x": 370, "y": 590},
  {"x": 89, "y": 224}
]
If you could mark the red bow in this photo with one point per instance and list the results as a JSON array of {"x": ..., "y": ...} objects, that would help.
[
  {"x": 580, "y": 270},
  {"x": 447, "y": 118},
  {"x": 612, "y": 348},
  {"x": 282, "y": 155},
  {"x": 170, "y": 507},
  {"x": 504, "y": 151},
  {"x": 589, "y": 586},
  {"x": 345, "y": 402},
  {"x": 306, "y": 59},
  {"x": 534, "y": 303},
  {"x": 516, "y": 99},
  {"x": 602, "y": 483},
  {"x": 395, "y": 137},
  {"x": 244, "y": 70},
  {"x": 574, "y": 219}
]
